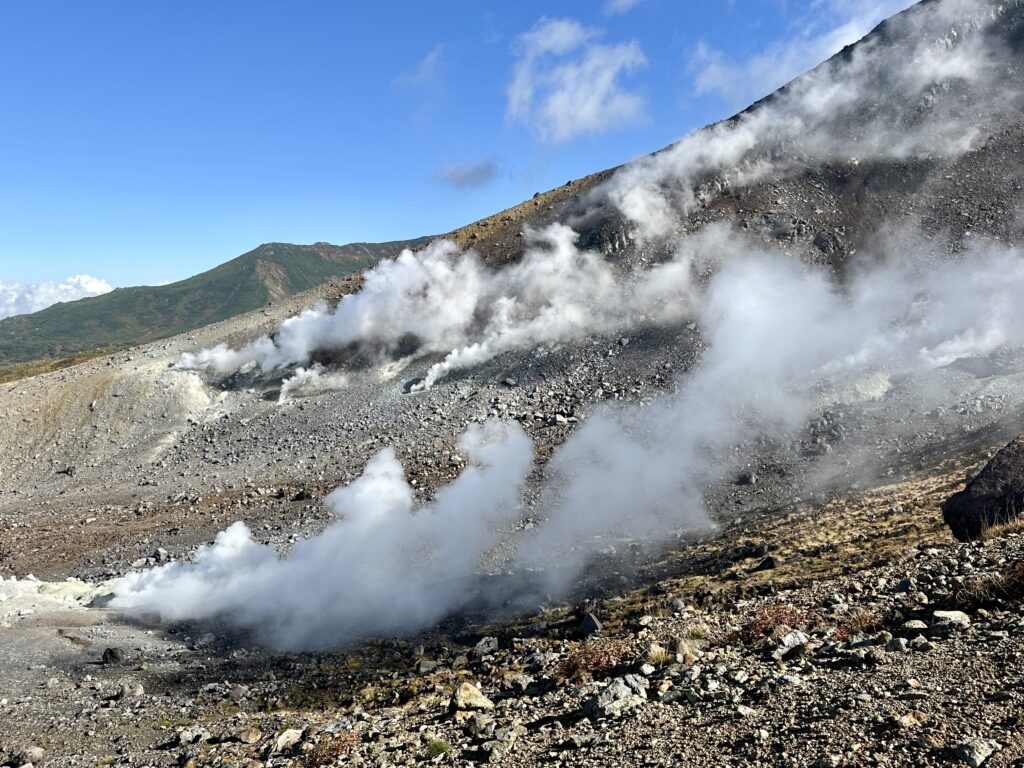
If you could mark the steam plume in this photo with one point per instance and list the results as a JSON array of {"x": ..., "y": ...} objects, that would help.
[
  {"x": 777, "y": 330},
  {"x": 311, "y": 381},
  {"x": 379, "y": 555},
  {"x": 934, "y": 87},
  {"x": 446, "y": 301},
  {"x": 441, "y": 301}
]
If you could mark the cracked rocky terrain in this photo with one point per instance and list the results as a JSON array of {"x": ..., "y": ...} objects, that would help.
[{"x": 830, "y": 618}]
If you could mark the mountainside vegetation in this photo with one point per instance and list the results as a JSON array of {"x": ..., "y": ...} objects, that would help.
[{"x": 129, "y": 316}]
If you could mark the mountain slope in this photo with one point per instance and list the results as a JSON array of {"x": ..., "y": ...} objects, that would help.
[
  {"x": 129, "y": 316},
  {"x": 828, "y": 532}
]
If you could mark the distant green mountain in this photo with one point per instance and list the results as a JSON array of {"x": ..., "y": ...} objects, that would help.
[{"x": 130, "y": 316}]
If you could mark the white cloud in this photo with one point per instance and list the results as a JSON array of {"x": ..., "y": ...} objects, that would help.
[
  {"x": 427, "y": 73},
  {"x": 23, "y": 298},
  {"x": 566, "y": 84},
  {"x": 823, "y": 31},
  {"x": 464, "y": 175},
  {"x": 613, "y": 7}
]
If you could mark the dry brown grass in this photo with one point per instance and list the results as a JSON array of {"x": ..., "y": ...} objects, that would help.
[
  {"x": 658, "y": 655},
  {"x": 593, "y": 658},
  {"x": 859, "y": 620},
  {"x": 993, "y": 588},
  {"x": 774, "y": 621},
  {"x": 1000, "y": 530},
  {"x": 331, "y": 750}
]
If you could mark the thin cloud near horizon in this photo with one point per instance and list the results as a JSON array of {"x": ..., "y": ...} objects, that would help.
[{"x": 468, "y": 175}]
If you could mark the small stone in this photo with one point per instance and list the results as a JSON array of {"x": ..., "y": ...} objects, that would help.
[
  {"x": 521, "y": 683},
  {"x": 192, "y": 735},
  {"x": 770, "y": 563},
  {"x": 131, "y": 691},
  {"x": 951, "y": 621},
  {"x": 238, "y": 693},
  {"x": 113, "y": 656},
  {"x": 922, "y": 644},
  {"x": 287, "y": 740},
  {"x": 909, "y": 720},
  {"x": 906, "y": 585},
  {"x": 976, "y": 751},
  {"x": 791, "y": 646},
  {"x": 619, "y": 696},
  {"x": 486, "y": 647},
  {"x": 896, "y": 645},
  {"x": 589, "y": 626},
  {"x": 874, "y": 656},
  {"x": 249, "y": 736},
  {"x": 468, "y": 697},
  {"x": 29, "y": 756},
  {"x": 913, "y": 627}
]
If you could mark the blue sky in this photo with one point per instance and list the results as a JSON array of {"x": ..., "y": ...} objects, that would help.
[{"x": 145, "y": 142}]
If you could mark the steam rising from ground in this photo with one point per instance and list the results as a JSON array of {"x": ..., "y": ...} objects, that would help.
[
  {"x": 417, "y": 567},
  {"x": 933, "y": 88},
  {"x": 778, "y": 332},
  {"x": 442, "y": 300},
  {"x": 776, "y": 329},
  {"x": 311, "y": 381}
]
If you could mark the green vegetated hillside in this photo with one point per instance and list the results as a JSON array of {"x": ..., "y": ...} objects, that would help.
[{"x": 129, "y": 316}]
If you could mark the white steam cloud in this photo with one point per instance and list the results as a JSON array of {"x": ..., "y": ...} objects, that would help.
[
  {"x": 776, "y": 331},
  {"x": 380, "y": 568},
  {"x": 444, "y": 301},
  {"x": 24, "y": 298},
  {"x": 311, "y": 381},
  {"x": 824, "y": 30},
  {"x": 918, "y": 98}
]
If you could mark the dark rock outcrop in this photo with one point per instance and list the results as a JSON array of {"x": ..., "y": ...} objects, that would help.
[{"x": 994, "y": 497}]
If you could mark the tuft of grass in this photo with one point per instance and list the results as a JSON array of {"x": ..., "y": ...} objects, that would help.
[
  {"x": 997, "y": 531},
  {"x": 659, "y": 656},
  {"x": 699, "y": 630},
  {"x": 592, "y": 659},
  {"x": 983, "y": 590},
  {"x": 774, "y": 621},
  {"x": 859, "y": 620},
  {"x": 438, "y": 747},
  {"x": 330, "y": 751}
]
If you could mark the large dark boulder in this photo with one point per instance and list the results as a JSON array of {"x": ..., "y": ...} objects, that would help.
[{"x": 994, "y": 497}]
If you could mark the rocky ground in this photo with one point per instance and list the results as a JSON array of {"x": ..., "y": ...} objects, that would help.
[{"x": 852, "y": 632}]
